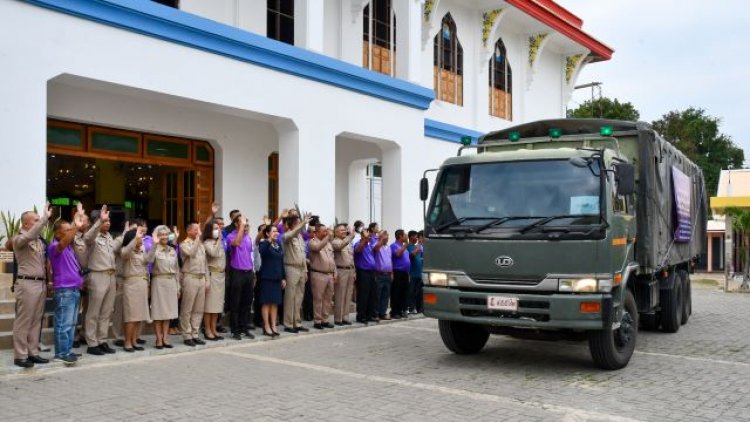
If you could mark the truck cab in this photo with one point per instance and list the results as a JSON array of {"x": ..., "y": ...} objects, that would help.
[{"x": 536, "y": 237}]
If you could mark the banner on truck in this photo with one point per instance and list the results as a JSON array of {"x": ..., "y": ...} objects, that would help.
[{"x": 681, "y": 188}]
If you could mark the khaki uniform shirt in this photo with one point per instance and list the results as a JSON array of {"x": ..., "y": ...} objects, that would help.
[
  {"x": 29, "y": 250},
  {"x": 294, "y": 248},
  {"x": 164, "y": 260},
  {"x": 81, "y": 250},
  {"x": 342, "y": 251},
  {"x": 193, "y": 257},
  {"x": 321, "y": 255},
  {"x": 102, "y": 248},
  {"x": 133, "y": 261},
  {"x": 217, "y": 257}
]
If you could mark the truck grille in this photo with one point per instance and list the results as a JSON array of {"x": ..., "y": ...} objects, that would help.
[
  {"x": 507, "y": 281},
  {"x": 504, "y": 315}
]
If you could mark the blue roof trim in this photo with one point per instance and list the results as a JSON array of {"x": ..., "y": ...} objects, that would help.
[
  {"x": 165, "y": 23},
  {"x": 446, "y": 132}
]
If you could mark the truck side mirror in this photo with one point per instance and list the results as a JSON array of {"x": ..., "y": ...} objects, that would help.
[
  {"x": 424, "y": 189},
  {"x": 625, "y": 176}
]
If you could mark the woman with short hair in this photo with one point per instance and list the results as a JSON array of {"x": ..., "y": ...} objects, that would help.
[
  {"x": 134, "y": 286},
  {"x": 272, "y": 278},
  {"x": 213, "y": 241},
  {"x": 165, "y": 286}
]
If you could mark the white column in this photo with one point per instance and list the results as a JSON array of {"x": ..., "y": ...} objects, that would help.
[
  {"x": 350, "y": 35},
  {"x": 309, "y": 24},
  {"x": 307, "y": 168},
  {"x": 251, "y": 16},
  {"x": 23, "y": 116},
  {"x": 358, "y": 204},
  {"x": 393, "y": 202},
  {"x": 408, "y": 39}
]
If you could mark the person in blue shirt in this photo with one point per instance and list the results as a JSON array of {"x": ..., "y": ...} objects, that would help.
[
  {"x": 416, "y": 255},
  {"x": 272, "y": 278}
]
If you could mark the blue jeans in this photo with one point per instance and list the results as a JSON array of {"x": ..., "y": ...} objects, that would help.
[
  {"x": 384, "y": 293},
  {"x": 66, "y": 314},
  {"x": 415, "y": 294}
]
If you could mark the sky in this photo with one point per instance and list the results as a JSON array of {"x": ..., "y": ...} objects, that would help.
[{"x": 671, "y": 55}]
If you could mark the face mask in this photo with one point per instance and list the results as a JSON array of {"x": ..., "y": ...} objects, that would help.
[
  {"x": 216, "y": 234},
  {"x": 171, "y": 237}
]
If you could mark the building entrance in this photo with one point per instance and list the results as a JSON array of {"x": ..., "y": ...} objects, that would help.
[{"x": 163, "y": 180}]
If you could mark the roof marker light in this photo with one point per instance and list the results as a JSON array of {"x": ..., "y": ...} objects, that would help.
[
  {"x": 514, "y": 136},
  {"x": 606, "y": 131},
  {"x": 555, "y": 133}
]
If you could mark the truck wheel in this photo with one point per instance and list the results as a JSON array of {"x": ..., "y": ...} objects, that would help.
[
  {"x": 671, "y": 305},
  {"x": 463, "y": 338},
  {"x": 687, "y": 302},
  {"x": 612, "y": 349},
  {"x": 650, "y": 322}
]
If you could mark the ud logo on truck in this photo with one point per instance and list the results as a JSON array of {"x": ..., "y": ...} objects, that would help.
[{"x": 504, "y": 261}]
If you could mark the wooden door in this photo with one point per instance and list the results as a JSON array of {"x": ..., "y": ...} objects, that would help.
[{"x": 188, "y": 196}]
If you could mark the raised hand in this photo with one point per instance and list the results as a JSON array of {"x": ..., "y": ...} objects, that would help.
[
  {"x": 79, "y": 209},
  {"x": 308, "y": 217},
  {"x": 176, "y": 232},
  {"x": 48, "y": 209},
  {"x": 127, "y": 226},
  {"x": 104, "y": 213},
  {"x": 214, "y": 208},
  {"x": 267, "y": 221}
]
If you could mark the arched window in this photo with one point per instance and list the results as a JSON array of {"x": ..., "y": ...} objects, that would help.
[
  {"x": 379, "y": 37},
  {"x": 280, "y": 20},
  {"x": 501, "y": 83},
  {"x": 449, "y": 64}
]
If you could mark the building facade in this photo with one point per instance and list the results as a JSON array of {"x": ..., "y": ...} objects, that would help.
[{"x": 161, "y": 107}]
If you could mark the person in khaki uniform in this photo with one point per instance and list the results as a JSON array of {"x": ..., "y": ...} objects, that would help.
[
  {"x": 194, "y": 281},
  {"x": 102, "y": 283},
  {"x": 215, "y": 245},
  {"x": 165, "y": 287},
  {"x": 322, "y": 272},
  {"x": 345, "y": 274},
  {"x": 295, "y": 268},
  {"x": 134, "y": 286},
  {"x": 30, "y": 288}
]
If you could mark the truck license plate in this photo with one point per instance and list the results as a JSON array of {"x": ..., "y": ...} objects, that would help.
[{"x": 502, "y": 303}]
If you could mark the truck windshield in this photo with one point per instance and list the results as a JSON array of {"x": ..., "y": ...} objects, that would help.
[{"x": 515, "y": 194}]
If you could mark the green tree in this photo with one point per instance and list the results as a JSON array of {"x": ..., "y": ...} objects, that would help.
[
  {"x": 741, "y": 223},
  {"x": 606, "y": 108},
  {"x": 697, "y": 135}
]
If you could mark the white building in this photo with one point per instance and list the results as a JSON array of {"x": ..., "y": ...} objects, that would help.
[{"x": 160, "y": 109}]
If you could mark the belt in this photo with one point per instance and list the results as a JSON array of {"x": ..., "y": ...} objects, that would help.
[
  {"x": 103, "y": 271},
  {"x": 23, "y": 277},
  {"x": 351, "y": 267},
  {"x": 196, "y": 275},
  {"x": 136, "y": 277},
  {"x": 295, "y": 265},
  {"x": 322, "y": 272},
  {"x": 215, "y": 270},
  {"x": 163, "y": 275}
]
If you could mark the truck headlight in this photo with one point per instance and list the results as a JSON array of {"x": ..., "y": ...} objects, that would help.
[
  {"x": 585, "y": 285},
  {"x": 438, "y": 279}
]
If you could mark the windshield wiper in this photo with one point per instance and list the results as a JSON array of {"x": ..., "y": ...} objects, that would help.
[
  {"x": 495, "y": 222},
  {"x": 546, "y": 220},
  {"x": 458, "y": 221}
]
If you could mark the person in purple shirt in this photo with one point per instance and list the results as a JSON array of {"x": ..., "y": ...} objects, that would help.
[
  {"x": 241, "y": 279},
  {"x": 67, "y": 282},
  {"x": 401, "y": 267},
  {"x": 383, "y": 273},
  {"x": 364, "y": 263}
]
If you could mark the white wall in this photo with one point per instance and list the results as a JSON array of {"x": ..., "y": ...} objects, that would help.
[{"x": 544, "y": 98}]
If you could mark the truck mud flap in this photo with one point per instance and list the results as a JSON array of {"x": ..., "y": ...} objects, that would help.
[{"x": 607, "y": 313}]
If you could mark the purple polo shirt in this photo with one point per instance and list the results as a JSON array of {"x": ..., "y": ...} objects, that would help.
[
  {"x": 65, "y": 268},
  {"x": 400, "y": 263},
  {"x": 280, "y": 228},
  {"x": 148, "y": 242},
  {"x": 364, "y": 260},
  {"x": 383, "y": 261},
  {"x": 241, "y": 255}
]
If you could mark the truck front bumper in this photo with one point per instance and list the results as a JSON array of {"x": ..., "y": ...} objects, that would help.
[{"x": 535, "y": 311}]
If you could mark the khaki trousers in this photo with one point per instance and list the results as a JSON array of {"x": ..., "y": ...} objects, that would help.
[
  {"x": 192, "y": 305},
  {"x": 102, "y": 291},
  {"x": 293, "y": 295},
  {"x": 322, "y": 291},
  {"x": 342, "y": 289},
  {"x": 30, "y": 296}
]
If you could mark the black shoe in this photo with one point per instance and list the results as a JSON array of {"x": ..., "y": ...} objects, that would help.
[
  {"x": 275, "y": 334},
  {"x": 128, "y": 349},
  {"x": 346, "y": 323},
  {"x": 248, "y": 334},
  {"x": 138, "y": 348},
  {"x": 23, "y": 363},
  {"x": 327, "y": 325},
  {"x": 236, "y": 336},
  {"x": 397, "y": 316},
  {"x": 38, "y": 359},
  {"x": 140, "y": 341},
  {"x": 318, "y": 326},
  {"x": 339, "y": 323},
  {"x": 301, "y": 328},
  {"x": 190, "y": 343},
  {"x": 95, "y": 351},
  {"x": 199, "y": 341},
  {"x": 158, "y": 346},
  {"x": 267, "y": 333},
  {"x": 290, "y": 330},
  {"x": 106, "y": 349},
  {"x": 211, "y": 338},
  {"x": 69, "y": 360},
  {"x": 119, "y": 343},
  {"x": 220, "y": 329},
  {"x": 168, "y": 346}
]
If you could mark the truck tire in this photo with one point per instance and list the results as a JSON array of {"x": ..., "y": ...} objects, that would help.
[
  {"x": 612, "y": 349},
  {"x": 671, "y": 305},
  {"x": 463, "y": 338},
  {"x": 687, "y": 301}
]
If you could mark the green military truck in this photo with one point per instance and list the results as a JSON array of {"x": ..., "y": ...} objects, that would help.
[{"x": 563, "y": 229}]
